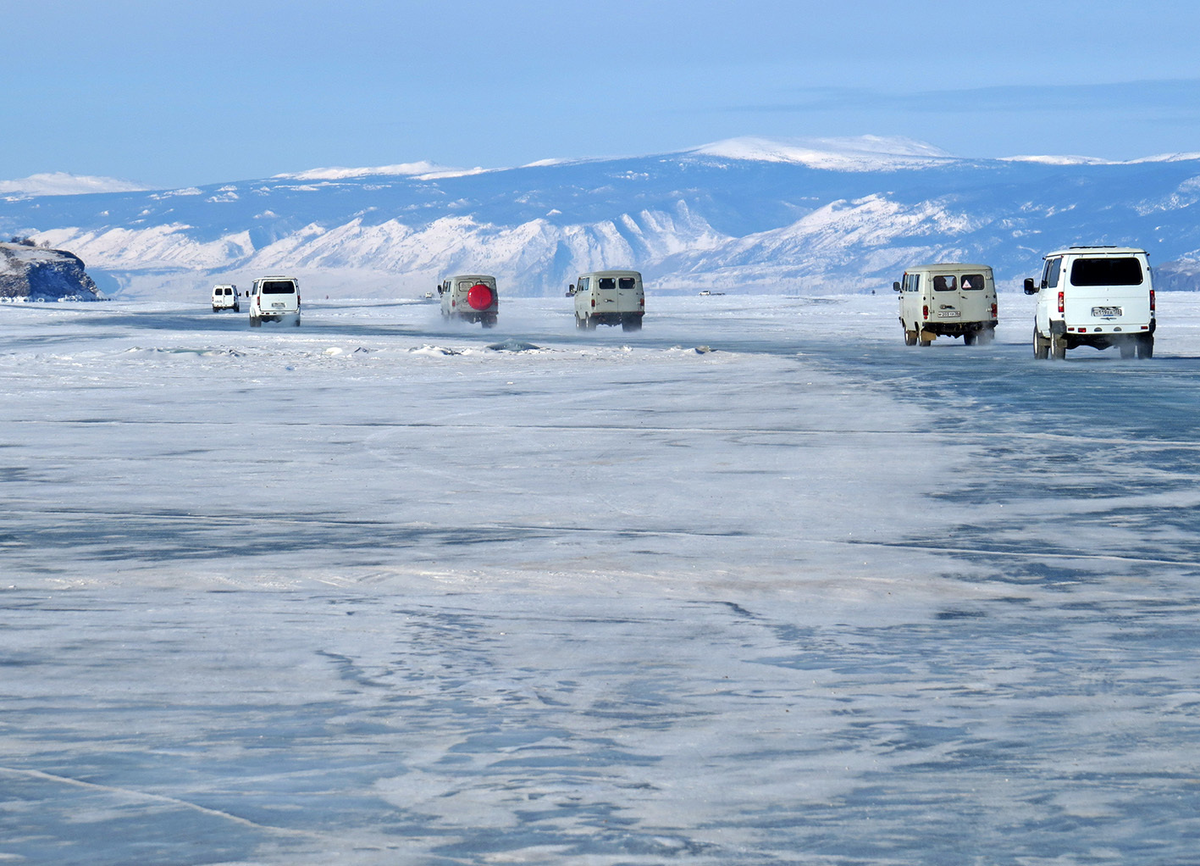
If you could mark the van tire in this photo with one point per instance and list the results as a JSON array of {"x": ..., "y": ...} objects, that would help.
[
  {"x": 1041, "y": 346},
  {"x": 910, "y": 337},
  {"x": 1128, "y": 349},
  {"x": 1145, "y": 346},
  {"x": 580, "y": 324},
  {"x": 969, "y": 338},
  {"x": 255, "y": 322},
  {"x": 296, "y": 323},
  {"x": 1058, "y": 348}
]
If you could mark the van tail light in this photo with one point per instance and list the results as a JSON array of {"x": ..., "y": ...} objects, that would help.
[
  {"x": 1152, "y": 300},
  {"x": 925, "y": 312},
  {"x": 642, "y": 301},
  {"x": 593, "y": 303},
  {"x": 1062, "y": 304},
  {"x": 995, "y": 311}
]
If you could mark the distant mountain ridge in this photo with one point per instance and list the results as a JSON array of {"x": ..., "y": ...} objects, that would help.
[{"x": 819, "y": 216}]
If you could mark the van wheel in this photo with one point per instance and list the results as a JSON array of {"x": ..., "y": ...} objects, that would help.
[
  {"x": 970, "y": 337},
  {"x": 580, "y": 324},
  {"x": 255, "y": 322},
  {"x": 589, "y": 323},
  {"x": 910, "y": 337},
  {"x": 1058, "y": 348},
  {"x": 1041, "y": 346},
  {"x": 1145, "y": 346},
  {"x": 296, "y": 323},
  {"x": 1128, "y": 350}
]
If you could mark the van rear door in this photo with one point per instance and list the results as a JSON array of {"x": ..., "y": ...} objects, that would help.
[{"x": 1106, "y": 291}]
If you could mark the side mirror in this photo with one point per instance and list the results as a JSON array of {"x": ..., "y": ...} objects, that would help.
[
  {"x": 896, "y": 286},
  {"x": 1030, "y": 288},
  {"x": 571, "y": 291}
]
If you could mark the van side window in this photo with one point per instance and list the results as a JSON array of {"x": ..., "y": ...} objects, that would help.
[
  {"x": 584, "y": 282},
  {"x": 971, "y": 282},
  {"x": 1050, "y": 274},
  {"x": 946, "y": 283},
  {"x": 625, "y": 283},
  {"x": 606, "y": 283},
  {"x": 1106, "y": 272}
]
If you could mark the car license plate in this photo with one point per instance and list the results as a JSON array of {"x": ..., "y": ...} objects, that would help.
[
  {"x": 276, "y": 306},
  {"x": 1105, "y": 312},
  {"x": 948, "y": 314}
]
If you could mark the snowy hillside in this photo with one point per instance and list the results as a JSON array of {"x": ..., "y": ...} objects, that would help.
[{"x": 747, "y": 214}]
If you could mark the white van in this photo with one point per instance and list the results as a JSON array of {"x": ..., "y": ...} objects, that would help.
[
  {"x": 951, "y": 300},
  {"x": 225, "y": 297},
  {"x": 471, "y": 297},
  {"x": 609, "y": 298},
  {"x": 1094, "y": 296},
  {"x": 272, "y": 299}
]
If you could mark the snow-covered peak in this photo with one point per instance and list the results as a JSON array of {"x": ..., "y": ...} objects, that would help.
[
  {"x": 404, "y": 169},
  {"x": 62, "y": 183},
  {"x": 864, "y": 153}
]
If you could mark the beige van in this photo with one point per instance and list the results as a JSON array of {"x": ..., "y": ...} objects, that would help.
[
  {"x": 948, "y": 300},
  {"x": 609, "y": 298}
]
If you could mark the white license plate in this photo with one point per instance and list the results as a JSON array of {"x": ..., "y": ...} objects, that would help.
[
  {"x": 949, "y": 314},
  {"x": 1105, "y": 312},
  {"x": 277, "y": 306}
]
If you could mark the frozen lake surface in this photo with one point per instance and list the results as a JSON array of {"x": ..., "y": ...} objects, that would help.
[{"x": 756, "y": 585}]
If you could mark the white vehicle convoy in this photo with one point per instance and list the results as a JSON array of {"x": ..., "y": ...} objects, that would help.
[
  {"x": 225, "y": 297},
  {"x": 609, "y": 298},
  {"x": 470, "y": 297},
  {"x": 949, "y": 299},
  {"x": 1094, "y": 296},
  {"x": 273, "y": 299}
]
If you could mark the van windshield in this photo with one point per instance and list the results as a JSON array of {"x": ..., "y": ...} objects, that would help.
[
  {"x": 1106, "y": 272},
  {"x": 279, "y": 287}
]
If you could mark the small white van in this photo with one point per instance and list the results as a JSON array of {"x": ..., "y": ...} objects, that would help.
[
  {"x": 273, "y": 299},
  {"x": 225, "y": 297},
  {"x": 470, "y": 297},
  {"x": 949, "y": 299},
  {"x": 609, "y": 298},
  {"x": 1094, "y": 296}
]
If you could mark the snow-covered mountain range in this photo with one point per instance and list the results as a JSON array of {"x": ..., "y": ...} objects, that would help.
[{"x": 820, "y": 215}]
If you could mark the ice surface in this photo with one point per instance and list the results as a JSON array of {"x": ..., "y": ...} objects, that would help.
[{"x": 365, "y": 591}]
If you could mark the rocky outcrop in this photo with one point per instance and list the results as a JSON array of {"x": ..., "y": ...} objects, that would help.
[{"x": 29, "y": 273}]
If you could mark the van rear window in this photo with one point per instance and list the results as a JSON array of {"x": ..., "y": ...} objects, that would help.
[
  {"x": 947, "y": 283},
  {"x": 1106, "y": 272},
  {"x": 279, "y": 287},
  {"x": 970, "y": 282},
  {"x": 626, "y": 283},
  {"x": 607, "y": 283}
]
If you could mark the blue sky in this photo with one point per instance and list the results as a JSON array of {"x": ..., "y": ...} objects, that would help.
[{"x": 175, "y": 93}]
